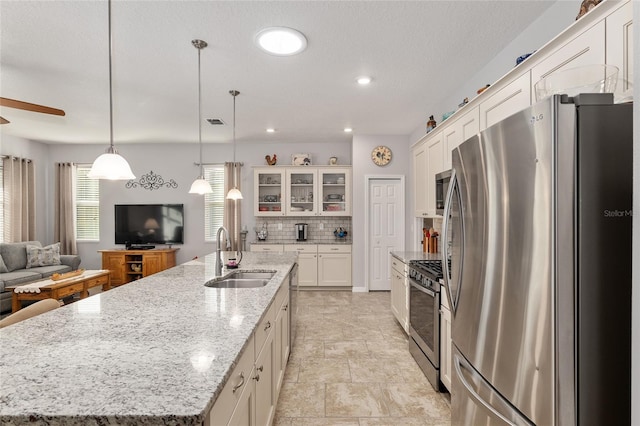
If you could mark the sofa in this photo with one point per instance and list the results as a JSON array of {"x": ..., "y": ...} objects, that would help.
[{"x": 17, "y": 267}]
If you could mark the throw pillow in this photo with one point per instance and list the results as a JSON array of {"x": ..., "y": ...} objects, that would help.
[
  {"x": 43, "y": 256},
  {"x": 3, "y": 267}
]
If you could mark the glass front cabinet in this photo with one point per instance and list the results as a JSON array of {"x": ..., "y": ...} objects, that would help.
[
  {"x": 269, "y": 192},
  {"x": 302, "y": 191}
]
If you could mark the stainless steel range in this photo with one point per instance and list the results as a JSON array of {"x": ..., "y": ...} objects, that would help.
[{"x": 424, "y": 317}]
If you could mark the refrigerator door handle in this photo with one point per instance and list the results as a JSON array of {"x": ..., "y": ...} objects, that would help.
[
  {"x": 453, "y": 182},
  {"x": 516, "y": 418}
]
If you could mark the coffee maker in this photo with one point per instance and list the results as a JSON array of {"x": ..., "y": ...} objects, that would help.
[{"x": 301, "y": 231}]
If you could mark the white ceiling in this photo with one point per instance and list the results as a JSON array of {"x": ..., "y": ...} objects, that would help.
[{"x": 55, "y": 53}]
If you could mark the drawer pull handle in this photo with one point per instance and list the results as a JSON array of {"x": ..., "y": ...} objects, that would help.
[
  {"x": 285, "y": 307},
  {"x": 260, "y": 368},
  {"x": 257, "y": 378},
  {"x": 268, "y": 326},
  {"x": 333, "y": 248},
  {"x": 239, "y": 385}
]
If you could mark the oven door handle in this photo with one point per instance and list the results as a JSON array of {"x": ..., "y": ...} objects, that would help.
[{"x": 422, "y": 289}]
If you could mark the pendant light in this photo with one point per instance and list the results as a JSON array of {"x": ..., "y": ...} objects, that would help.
[
  {"x": 110, "y": 165},
  {"x": 234, "y": 193},
  {"x": 200, "y": 185}
]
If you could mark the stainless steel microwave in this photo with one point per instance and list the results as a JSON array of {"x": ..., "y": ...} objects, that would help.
[{"x": 442, "y": 186}]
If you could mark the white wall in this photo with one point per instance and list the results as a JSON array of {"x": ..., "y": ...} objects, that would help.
[
  {"x": 167, "y": 160},
  {"x": 363, "y": 166}
]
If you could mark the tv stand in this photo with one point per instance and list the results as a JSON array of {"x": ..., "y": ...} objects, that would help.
[{"x": 131, "y": 265}]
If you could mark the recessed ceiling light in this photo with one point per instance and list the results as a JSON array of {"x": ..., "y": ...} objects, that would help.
[
  {"x": 364, "y": 80},
  {"x": 281, "y": 41},
  {"x": 271, "y": 130},
  {"x": 348, "y": 129}
]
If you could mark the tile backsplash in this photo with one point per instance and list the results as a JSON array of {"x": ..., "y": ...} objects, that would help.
[{"x": 314, "y": 233}]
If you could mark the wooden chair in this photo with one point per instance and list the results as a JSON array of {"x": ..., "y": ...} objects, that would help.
[{"x": 41, "y": 306}]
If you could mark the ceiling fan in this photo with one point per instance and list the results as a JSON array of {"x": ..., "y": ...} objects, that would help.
[{"x": 12, "y": 103}]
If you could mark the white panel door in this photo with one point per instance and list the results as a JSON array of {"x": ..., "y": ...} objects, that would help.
[{"x": 386, "y": 228}]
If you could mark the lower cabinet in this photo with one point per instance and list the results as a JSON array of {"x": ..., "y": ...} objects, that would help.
[
  {"x": 323, "y": 265},
  {"x": 446, "y": 354},
  {"x": 249, "y": 397},
  {"x": 400, "y": 292}
]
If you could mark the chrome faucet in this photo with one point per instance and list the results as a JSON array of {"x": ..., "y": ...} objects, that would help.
[{"x": 218, "y": 248}]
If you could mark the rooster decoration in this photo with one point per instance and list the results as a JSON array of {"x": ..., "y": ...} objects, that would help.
[{"x": 271, "y": 161}]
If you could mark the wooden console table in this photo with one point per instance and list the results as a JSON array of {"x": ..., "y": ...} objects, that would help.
[
  {"x": 60, "y": 289},
  {"x": 130, "y": 265}
]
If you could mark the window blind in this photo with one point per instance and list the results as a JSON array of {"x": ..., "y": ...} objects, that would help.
[
  {"x": 213, "y": 202},
  {"x": 87, "y": 205}
]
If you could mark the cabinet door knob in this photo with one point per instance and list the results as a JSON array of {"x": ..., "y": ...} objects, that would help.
[{"x": 268, "y": 326}]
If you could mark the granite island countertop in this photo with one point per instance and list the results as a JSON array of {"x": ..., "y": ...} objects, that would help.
[{"x": 157, "y": 351}]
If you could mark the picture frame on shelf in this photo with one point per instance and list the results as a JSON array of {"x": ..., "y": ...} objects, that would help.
[{"x": 300, "y": 159}]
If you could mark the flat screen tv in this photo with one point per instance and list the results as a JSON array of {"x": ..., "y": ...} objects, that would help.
[{"x": 149, "y": 224}]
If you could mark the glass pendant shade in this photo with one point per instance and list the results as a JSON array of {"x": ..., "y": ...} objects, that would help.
[
  {"x": 111, "y": 166},
  {"x": 234, "y": 194},
  {"x": 200, "y": 187}
]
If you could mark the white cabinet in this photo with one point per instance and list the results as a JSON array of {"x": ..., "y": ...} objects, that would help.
[
  {"x": 302, "y": 196},
  {"x": 400, "y": 292},
  {"x": 307, "y": 263},
  {"x": 585, "y": 49},
  {"x": 419, "y": 164},
  {"x": 619, "y": 44},
  {"x": 323, "y": 265},
  {"x": 507, "y": 101},
  {"x": 334, "y": 186},
  {"x": 264, "y": 377},
  {"x": 459, "y": 131},
  {"x": 239, "y": 388},
  {"x": 435, "y": 165},
  {"x": 282, "y": 336},
  {"x": 446, "y": 354},
  {"x": 244, "y": 413},
  {"x": 268, "y": 194},
  {"x": 427, "y": 159},
  {"x": 334, "y": 265}
]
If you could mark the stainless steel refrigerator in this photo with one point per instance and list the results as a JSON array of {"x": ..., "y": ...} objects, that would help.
[{"x": 538, "y": 219}]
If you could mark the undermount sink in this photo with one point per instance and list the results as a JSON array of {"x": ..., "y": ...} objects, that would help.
[{"x": 242, "y": 279}]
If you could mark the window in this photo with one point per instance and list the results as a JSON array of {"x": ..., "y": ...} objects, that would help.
[
  {"x": 214, "y": 202},
  {"x": 87, "y": 205}
]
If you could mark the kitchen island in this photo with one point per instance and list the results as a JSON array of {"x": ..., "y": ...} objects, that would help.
[{"x": 157, "y": 351}]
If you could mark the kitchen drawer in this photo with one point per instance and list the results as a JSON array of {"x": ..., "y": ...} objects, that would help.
[
  {"x": 333, "y": 248},
  {"x": 399, "y": 266},
  {"x": 267, "y": 247},
  {"x": 72, "y": 289},
  {"x": 94, "y": 282},
  {"x": 301, "y": 248},
  {"x": 266, "y": 326},
  {"x": 239, "y": 379}
]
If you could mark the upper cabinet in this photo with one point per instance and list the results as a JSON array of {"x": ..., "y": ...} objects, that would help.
[
  {"x": 586, "y": 48},
  {"x": 268, "y": 191},
  {"x": 419, "y": 165},
  {"x": 508, "y": 100},
  {"x": 302, "y": 191},
  {"x": 459, "y": 131},
  {"x": 619, "y": 44}
]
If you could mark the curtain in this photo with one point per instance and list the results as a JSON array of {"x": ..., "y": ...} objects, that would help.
[
  {"x": 64, "y": 226},
  {"x": 232, "y": 208},
  {"x": 20, "y": 199}
]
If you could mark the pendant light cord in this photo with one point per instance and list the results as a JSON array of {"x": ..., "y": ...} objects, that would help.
[
  {"x": 111, "y": 147},
  {"x": 200, "y": 115}
]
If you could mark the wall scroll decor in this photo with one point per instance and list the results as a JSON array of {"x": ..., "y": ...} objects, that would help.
[{"x": 151, "y": 181}]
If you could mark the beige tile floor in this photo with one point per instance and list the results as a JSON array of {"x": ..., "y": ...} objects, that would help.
[{"x": 350, "y": 365}]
